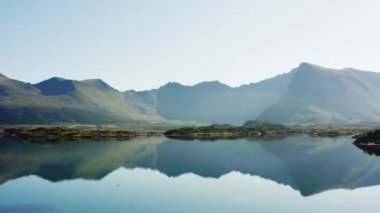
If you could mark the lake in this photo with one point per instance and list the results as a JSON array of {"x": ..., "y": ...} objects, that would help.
[{"x": 157, "y": 174}]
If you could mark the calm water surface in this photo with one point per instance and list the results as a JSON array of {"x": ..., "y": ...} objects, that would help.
[{"x": 294, "y": 174}]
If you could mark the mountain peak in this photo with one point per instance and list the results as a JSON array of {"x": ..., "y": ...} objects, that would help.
[
  {"x": 305, "y": 65},
  {"x": 56, "y": 79},
  {"x": 215, "y": 82},
  {"x": 172, "y": 84},
  {"x": 56, "y": 86},
  {"x": 212, "y": 84},
  {"x": 3, "y": 76},
  {"x": 200, "y": 84},
  {"x": 308, "y": 67},
  {"x": 53, "y": 80},
  {"x": 98, "y": 83},
  {"x": 95, "y": 81}
]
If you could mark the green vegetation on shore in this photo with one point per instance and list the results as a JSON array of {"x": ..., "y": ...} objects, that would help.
[
  {"x": 259, "y": 129},
  {"x": 210, "y": 132},
  {"x": 51, "y": 134}
]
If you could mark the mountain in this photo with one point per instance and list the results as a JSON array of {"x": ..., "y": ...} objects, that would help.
[
  {"x": 60, "y": 100},
  {"x": 320, "y": 95},
  {"x": 214, "y": 102},
  {"x": 14, "y": 87},
  {"x": 94, "y": 101},
  {"x": 95, "y": 95},
  {"x": 308, "y": 94}
]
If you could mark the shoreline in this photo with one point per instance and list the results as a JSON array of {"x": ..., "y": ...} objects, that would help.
[
  {"x": 260, "y": 130},
  {"x": 212, "y": 132},
  {"x": 64, "y": 134}
]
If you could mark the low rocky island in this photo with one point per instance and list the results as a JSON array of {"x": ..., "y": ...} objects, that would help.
[
  {"x": 369, "y": 142},
  {"x": 369, "y": 138},
  {"x": 257, "y": 129}
]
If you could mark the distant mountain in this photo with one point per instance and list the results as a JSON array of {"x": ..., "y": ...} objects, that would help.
[
  {"x": 308, "y": 94},
  {"x": 322, "y": 95},
  {"x": 215, "y": 102}
]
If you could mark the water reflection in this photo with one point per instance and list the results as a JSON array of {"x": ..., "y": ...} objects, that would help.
[
  {"x": 308, "y": 165},
  {"x": 371, "y": 149}
]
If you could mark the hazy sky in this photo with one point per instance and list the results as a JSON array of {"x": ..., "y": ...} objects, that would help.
[{"x": 143, "y": 44}]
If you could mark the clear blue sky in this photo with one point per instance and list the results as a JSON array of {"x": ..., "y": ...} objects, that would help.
[{"x": 143, "y": 44}]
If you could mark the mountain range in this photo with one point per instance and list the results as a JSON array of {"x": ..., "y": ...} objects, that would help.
[{"x": 308, "y": 94}]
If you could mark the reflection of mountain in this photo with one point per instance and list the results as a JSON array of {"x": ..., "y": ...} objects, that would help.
[
  {"x": 309, "y": 165},
  {"x": 89, "y": 160},
  {"x": 317, "y": 165}
]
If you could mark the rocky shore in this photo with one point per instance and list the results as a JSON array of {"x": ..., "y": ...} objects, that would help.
[
  {"x": 211, "y": 132},
  {"x": 369, "y": 138},
  {"x": 53, "y": 134},
  {"x": 261, "y": 129},
  {"x": 369, "y": 142}
]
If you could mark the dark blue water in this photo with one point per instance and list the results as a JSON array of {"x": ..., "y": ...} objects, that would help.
[{"x": 294, "y": 174}]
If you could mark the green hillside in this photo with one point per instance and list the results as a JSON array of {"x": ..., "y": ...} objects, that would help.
[{"x": 59, "y": 101}]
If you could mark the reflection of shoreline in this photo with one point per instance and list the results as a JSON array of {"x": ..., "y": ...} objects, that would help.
[
  {"x": 307, "y": 164},
  {"x": 371, "y": 149}
]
